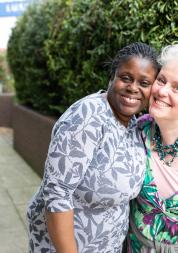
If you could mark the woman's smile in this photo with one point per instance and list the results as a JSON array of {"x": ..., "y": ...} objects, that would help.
[
  {"x": 130, "y": 89},
  {"x": 161, "y": 103},
  {"x": 129, "y": 101}
]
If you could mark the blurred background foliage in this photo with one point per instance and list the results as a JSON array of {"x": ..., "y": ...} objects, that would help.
[
  {"x": 61, "y": 50},
  {"x": 6, "y": 78}
]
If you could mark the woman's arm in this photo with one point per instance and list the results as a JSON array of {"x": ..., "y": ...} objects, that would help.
[
  {"x": 61, "y": 231},
  {"x": 75, "y": 138}
]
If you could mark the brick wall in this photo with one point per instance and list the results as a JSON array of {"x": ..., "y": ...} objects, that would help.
[
  {"x": 6, "y": 108},
  {"x": 32, "y": 133}
]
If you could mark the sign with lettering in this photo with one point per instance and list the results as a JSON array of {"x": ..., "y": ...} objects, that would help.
[{"x": 9, "y": 8}]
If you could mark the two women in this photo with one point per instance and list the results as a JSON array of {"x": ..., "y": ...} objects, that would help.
[{"x": 95, "y": 164}]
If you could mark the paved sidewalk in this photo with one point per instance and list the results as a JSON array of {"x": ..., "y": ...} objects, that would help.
[{"x": 18, "y": 182}]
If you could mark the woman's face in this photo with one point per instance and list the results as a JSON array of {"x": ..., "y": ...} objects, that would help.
[
  {"x": 164, "y": 94},
  {"x": 129, "y": 92}
]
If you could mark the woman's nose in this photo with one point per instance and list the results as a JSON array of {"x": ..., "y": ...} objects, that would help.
[
  {"x": 164, "y": 90},
  {"x": 133, "y": 86}
]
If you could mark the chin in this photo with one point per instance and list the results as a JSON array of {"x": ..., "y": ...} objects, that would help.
[
  {"x": 130, "y": 111},
  {"x": 157, "y": 115},
  {"x": 130, "y": 114},
  {"x": 153, "y": 114}
]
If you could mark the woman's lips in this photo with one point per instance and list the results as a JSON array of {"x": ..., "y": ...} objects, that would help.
[
  {"x": 161, "y": 103},
  {"x": 130, "y": 100}
]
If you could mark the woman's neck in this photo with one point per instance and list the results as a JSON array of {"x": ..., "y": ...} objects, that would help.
[{"x": 169, "y": 131}]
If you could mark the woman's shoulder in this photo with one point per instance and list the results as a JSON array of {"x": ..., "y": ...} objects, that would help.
[
  {"x": 82, "y": 113},
  {"x": 145, "y": 121},
  {"x": 83, "y": 107},
  {"x": 91, "y": 102}
]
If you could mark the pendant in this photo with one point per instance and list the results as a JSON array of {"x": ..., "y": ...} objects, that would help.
[{"x": 168, "y": 163}]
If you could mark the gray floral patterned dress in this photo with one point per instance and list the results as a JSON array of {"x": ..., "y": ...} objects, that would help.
[{"x": 94, "y": 166}]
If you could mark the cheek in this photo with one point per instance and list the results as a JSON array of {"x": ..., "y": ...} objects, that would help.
[
  {"x": 155, "y": 89},
  {"x": 147, "y": 93},
  {"x": 112, "y": 92},
  {"x": 174, "y": 102},
  {"x": 118, "y": 85},
  {"x": 151, "y": 100}
]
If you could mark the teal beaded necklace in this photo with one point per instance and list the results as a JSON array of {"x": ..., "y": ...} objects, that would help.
[{"x": 162, "y": 150}]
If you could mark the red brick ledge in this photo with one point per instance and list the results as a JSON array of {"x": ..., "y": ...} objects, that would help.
[{"x": 32, "y": 134}]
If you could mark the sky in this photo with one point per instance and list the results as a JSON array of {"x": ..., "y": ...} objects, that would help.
[
  {"x": 9, "y": 11},
  {"x": 6, "y": 25}
]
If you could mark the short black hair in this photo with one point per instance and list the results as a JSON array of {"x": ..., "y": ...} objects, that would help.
[{"x": 137, "y": 49}]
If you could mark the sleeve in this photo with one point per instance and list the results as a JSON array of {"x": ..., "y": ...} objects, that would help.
[{"x": 74, "y": 139}]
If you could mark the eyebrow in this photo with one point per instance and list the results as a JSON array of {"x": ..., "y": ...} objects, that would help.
[{"x": 164, "y": 77}]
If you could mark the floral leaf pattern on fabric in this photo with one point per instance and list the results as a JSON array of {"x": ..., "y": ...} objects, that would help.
[{"x": 94, "y": 166}]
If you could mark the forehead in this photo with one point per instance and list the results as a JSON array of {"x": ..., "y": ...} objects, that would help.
[
  {"x": 170, "y": 70},
  {"x": 137, "y": 64}
]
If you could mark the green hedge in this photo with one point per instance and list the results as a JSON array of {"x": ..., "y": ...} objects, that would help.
[
  {"x": 59, "y": 50},
  {"x": 27, "y": 55},
  {"x": 6, "y": 79}
]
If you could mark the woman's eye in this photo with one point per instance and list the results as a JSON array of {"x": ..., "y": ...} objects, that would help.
[
  {"x": 145, "y": 84},
  {"x": 176, "y": 88},
  {"x": 126, "y": 79},
  {"x": 160, "y": 81}
]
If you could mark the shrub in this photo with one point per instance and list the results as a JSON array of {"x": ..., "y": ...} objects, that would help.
[
  {"x": 6, "y": 79},
  {"x": 27, "y": 58},
  {"x": 59, "y": 49},
  {"x": 78, "y": 50}
]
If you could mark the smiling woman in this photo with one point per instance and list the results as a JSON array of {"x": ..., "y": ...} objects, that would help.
[
  {"x": 95, "y": 164},
  {"x": 130, "y": 89},
  {"x": 154, "y": 214},
  {"x": 165, "y": 92}
]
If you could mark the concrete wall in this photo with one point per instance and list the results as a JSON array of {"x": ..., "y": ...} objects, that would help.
[
  {"x": 32, "y": 133},
  {"x": 6, "y": 108}
]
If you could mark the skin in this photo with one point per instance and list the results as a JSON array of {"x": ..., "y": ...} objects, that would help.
[
  {"x": 61, "y": 231},
  {"x": 129, "y": 92},
  {"x": 164, "y": 102},
  {"x": 164, "y": 108}
]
